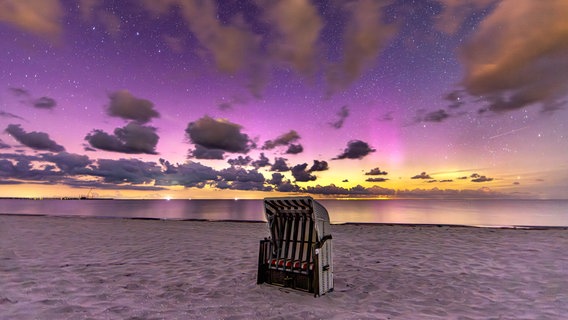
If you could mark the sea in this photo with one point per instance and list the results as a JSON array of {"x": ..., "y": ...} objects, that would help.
[{"x": 481, "y": 213}]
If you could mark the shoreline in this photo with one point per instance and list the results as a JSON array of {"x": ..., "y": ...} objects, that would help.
[{"x": 438, "y": 225}]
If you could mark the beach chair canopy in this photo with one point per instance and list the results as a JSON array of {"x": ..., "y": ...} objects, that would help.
[
  {"x": 298, "y": 252},
  {"x": 307, "y": 207}
]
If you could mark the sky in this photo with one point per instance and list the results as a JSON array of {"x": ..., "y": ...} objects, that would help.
[{"x": 156, "y": 99}]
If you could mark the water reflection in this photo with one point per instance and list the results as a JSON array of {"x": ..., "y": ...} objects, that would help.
[{"x": 458, "y": 212}]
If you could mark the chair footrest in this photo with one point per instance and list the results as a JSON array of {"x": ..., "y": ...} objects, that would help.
[{"x": 289, "y": 264}]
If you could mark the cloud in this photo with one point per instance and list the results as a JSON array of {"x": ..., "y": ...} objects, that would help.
[
  {"x": 365, "y": 36},
  {"x": 376, "y": 172},
  {"x": 319, "y": 166},
  {"x": 263, "y": 161},
  {"x": 42, "y": 18},
  {"x": 35, "y": 140},
  {"x": 9, "y": 115},
  {"x": 191, "y": 174},
  {"x": 301, "y": 175},
  {"x": 124, "y": 105},
  {"x": 204, "y": 153},
  {"x": 446, "y": 180},
  {"x": 240, "y": 161},
  {"x": 295, "y": 149},
  {"x": 342, "y": 114},
  {"x": 218, "y": 134},
  {"x": 482, "y": 179},
  {"x": 283, "y": 140},
  {"x": 432, "y": 116},
  {"x": 126, "y": 171},
  {"x": 279, "y": 165},
  {"x": 357, "y": 190},
  {"x": 297, "y": 26},
  {"x": 377, "y": 179},
  {"x": 387, "y": 116},
  {"x": 422, "y": 175},
  {"x": 455, "y": 98},
  {"x": 92, "y": 10},
  {"x": 4, "y": 145},
  {"x": 516, "y": 58},
  {"x": 133, "y": 138},
  {"x": 231, "y": 45},
  {"x": 19, "y": 92},
  {"x": 356, "y": 149},
  {"x": 70, "y": 163},
  {"x": 241, "y": 179},
  {"x": 44, "y": 103},
  {"x": 282, "y": 185}
]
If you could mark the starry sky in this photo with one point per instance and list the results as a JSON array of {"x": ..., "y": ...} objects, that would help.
[{"x": 254, "y": 98}]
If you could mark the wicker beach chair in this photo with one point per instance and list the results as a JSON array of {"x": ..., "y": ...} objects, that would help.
[{"x": 298, "y": 252}]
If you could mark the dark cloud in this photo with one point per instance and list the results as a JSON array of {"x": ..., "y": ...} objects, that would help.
[
  {"x": 126, "y": 171},
  {"x": 432, "y": 116},
  {"x": 20, "y": 92},
  {"x": 4, "y": 145},
  {"x": 35, "y": 140},
  {"x": 44, "y": 103},
  {"x": 387, "y": 116},
  {"x": 133, "y": 138},
  {"x": 447, "y": 180},
  {"x": 263, "y": 161},
  {"x": 191, "y": 174},
  {"x": 283, "y": 140},
  {"x": 301, "y": 174},
  {"x": 432, "y": 181},
  {"x": 516, "y": 183},
  {"x": 319, "y": 166},
  {"x": 295, "y": 149},
  {"x": 422, "y": 175},
  {"x": 462, "y": 178},
  {"x": 240, "y": 174},
  {"x": 356, "y": 149},
  {"x": 377, "y": 179},
  {"x": 23, "y": 167},
  {"x": 455, "y": 98},
  {"x": 240, "y": 161},
  {"x": 225, "y": 106},
  {"x": 279, "y": 165},
  {"x": 9, "y": 115},
  {"x": 376, "y": 172},
  {"x": 218, "y": 134},
  {"x": 69, "y": 163},
  {"x": 357, "y": 190},
  {"x": 203, "y": 153},
  {"x": 241, "y": 179},
  {"x": 482, "y": 179},
  {"x": 345, "y": 180},
  {"x": 124, "y": 105},
  {"x": 342, "y": 115},
  {"x": 277, "y": 179},
  {"x": 229, "y": 104}
]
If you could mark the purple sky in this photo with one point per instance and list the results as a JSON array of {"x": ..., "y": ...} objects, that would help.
[{"x": 187, "y": 98}]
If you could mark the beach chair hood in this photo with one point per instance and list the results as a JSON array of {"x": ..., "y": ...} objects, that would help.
[{"x": 299, "y": 205}]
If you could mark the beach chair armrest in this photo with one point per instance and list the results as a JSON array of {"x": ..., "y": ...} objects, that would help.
[{"x": 320, "y": 243}]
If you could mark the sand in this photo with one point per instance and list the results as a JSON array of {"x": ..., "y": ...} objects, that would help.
[{"x": 88, "y": 268}]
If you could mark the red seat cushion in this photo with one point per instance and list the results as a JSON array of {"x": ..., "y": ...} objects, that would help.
[{"x": 298, "y": 265}]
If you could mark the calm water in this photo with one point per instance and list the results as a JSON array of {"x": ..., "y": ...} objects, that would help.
[{"x": 458, "y": 212}]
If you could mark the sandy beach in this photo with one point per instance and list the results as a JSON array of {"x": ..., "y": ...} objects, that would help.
[{"x": 87, "y": 268}]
